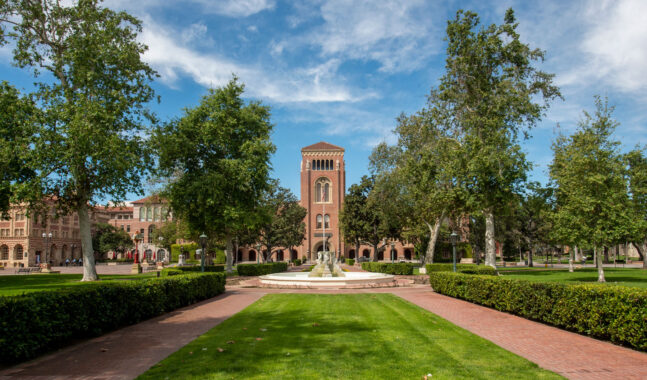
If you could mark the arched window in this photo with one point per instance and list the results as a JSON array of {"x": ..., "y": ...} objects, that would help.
[
  {"x": 319, "y": 220},
  {"x": 4, "y": 252},
  {"x": 17, "y": 252},
  {"x": 64, "y": 252},
  {"x": 407, "y": 254},
  {"x": 239, "y": 256},
  {"x": 351, "y": 254},
  {"x": 142, "y": 214},
  {"x": 322, "y": 190},
  {"x": 327, "y": 221},
  {"x": 156, "y": 215},
  {"x": 366, "y": 253}
]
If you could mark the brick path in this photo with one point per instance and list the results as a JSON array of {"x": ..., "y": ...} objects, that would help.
[{"x": 126, "y": 353}]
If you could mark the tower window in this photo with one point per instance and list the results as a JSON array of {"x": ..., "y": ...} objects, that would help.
[
  {"x": 322, "y": 190},
  {"x": 327, "y": 221},
  {"x": 319, "y": 220}
]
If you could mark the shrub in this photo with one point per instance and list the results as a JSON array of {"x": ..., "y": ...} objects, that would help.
[
  {"x": 188, "y": 248},
  {"x": 462, "y": 268},
  {"x": 389, "y": 268},
  {"x": 296, "y": 262},
  {"x": 198, "y": 268},
  {"x": 616, "y": 313},
  {"x": 261, "y": 269},
  {"x": 171, "y": 272},
  {"x": 350, "y": 261},
  {"x": 36, "y": 322}
]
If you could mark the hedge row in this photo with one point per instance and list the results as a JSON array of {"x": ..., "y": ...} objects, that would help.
[
  {"x": 462, "y": 268},
  {"x": 172, "y": 271},
  {"x": 613, "y": 313},
  {"x": 350, "y": 261},
  {"x": 389, "y": 268},
  {"x": 261, "y": 269},
  {"x": 37, "y": 322}
]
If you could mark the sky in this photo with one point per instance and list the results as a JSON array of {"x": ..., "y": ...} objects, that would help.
[{"x": 342, "y": 71}]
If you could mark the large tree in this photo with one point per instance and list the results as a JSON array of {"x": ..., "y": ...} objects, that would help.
[
  {"x": 588, "y": 173},
  {"x": 108, "y": 238},
  {"x": 637, "y": 173},
  {"x": 93, "y": 97},
  {"x": 494, "y": 92},
  {"x": 218, "y": 156},
  {"x": 18, "y": 123}
]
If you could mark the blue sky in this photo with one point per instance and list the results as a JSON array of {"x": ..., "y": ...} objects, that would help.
[{"x": 342, "y": 71}]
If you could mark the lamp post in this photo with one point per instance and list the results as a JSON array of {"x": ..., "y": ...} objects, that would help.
[
  {"x": 45, "y": 266},
  {"x": 392, "y": 250},
  {"x": 454, "y": 239},
  {"x": 136, "y": 268},
  {"x": 203, "y": 243},
  {"x": 161, "y": 240},
  {"x": 258, "y": 252},
  {"x": 73, "y": 246}
]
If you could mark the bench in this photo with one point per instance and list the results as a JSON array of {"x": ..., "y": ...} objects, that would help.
[{"x": 27, "y": 270}]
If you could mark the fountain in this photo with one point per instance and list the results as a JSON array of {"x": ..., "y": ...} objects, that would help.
[{"x": 327, "y": 266}]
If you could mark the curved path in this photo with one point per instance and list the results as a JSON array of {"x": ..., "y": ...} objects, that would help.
[{"x": 128, "y": 352}]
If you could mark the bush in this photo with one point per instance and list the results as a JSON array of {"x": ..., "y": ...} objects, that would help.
[
  {"x": 188, "y": 248},
  {"x": 296, "y": 262},
  {"x": 389, "y": 268},
  {"x": 171, "y": 272},
  {"x": 198, "y": 268},
  {"x": 261, "y": 269},
  {"x": 462, "y": 268},
  {"x": 350, "y": 261},
  {"x": 615, "y": 313},
  {"x": 36, "y": 322}
]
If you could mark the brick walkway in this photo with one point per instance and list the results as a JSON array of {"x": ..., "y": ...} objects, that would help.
[{"x": 126, "y": 353}]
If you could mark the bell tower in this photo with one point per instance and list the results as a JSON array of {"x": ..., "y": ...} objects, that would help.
[{"x": 323, "y": 185}]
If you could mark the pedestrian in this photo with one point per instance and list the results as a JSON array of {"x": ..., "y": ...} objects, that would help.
[
  {"x": 67, "y": 262},
  {"x": 80, "y": 262},
  {"x": 74, "y": 262}
]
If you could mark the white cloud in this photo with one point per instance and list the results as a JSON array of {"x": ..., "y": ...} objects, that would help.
[
  {"x": 236, "y": 8},
  {"x": 311, "y": 85}
]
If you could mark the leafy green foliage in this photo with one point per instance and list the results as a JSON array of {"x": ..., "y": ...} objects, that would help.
[
  {"x": 389, "y": 268},
  {"x": 108, "y": 238},
  {"x": 350, "y": 261},
  {"x": 188, "y": 249},
  {"x": 615, "y": 313},
  {"x": 17, "y": 125},
  {"x": 462, "y": 268},
  {"x": 261, "y": 269},
  {"x": 37, "y": 322},
  {"x": 217, "y": 158},
  {"x": 360, "y": 221}
]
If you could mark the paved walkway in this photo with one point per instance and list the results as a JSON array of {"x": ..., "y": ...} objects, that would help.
[{"x": 128, "y": 352}]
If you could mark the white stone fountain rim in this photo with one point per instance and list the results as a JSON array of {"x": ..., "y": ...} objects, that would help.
[{"x": 302, "y": 279}]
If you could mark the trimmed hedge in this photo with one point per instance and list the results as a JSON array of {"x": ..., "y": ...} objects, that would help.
[
  {"x": 615, "y": 313},
  {"x": 36, "y": 322},
  {"x": 462, "y": 268},
  {"x": 198, "y": 268},
  {"x": 350, "y": 261},
  {"x": 261, "y": 269},
  {"x": 296, "y": 262},
  {"x": 389, "y": 268}
]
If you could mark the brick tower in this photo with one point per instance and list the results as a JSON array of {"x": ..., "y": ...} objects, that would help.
[{"x": 323, "y": 185}]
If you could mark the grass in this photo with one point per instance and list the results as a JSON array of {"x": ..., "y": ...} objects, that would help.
[
  {"x": 616, "y": 276},
  {"x": 27, "y": 283},
  {"x": 355, "y": 336}
]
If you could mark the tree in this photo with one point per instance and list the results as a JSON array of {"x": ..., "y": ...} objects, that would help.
[
  {"x": 588, "y": 173},
  {"x": 221, "y": 150},
  {"x": 637, "y": 173},
  {"x": 89, "y": 148},
  {"x": 108, "y": 238},
  {"x": 492, "y": 89},
  {"x": 170, "y": 232},
  {"x": 283, "y": 224},
  {"x": 17, "y": 125}
]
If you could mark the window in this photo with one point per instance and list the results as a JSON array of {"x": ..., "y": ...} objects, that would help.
[
  {"x": 149, "y": 214},
  {"x": 142, "y": 214},
  {"x": 120, "y": 216},
  {"x": 4, "y": 252},
  {"x": 319, "y": 221},
  {"x": 322, "y": 190},
  {"x": 327, "y": 221},
  {"x": 17, "y": 252},
  {"x": 151, "y": 229},
  {"x": 122, "y": 227},
  {"x": 128, "y": 228}
]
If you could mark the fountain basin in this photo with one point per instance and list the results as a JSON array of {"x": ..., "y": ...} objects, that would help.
[{"x": 351, "y": 279}]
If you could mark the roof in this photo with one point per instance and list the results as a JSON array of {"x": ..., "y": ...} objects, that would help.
[
  {"x": 322, "y": 146},
  {"x": 150, "y": 199},
  {"x": 114, "y": 209}
]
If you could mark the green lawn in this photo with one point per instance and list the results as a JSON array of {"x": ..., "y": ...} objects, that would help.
[
  {"x": 356, "y": 336},
  {"x": 27, "y": 283},
  {"x": 616, "y": 276}
]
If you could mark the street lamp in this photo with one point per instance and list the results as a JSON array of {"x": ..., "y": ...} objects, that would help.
[
  {"x": 454, "y": 239},
  {"x": 203, "y": 243},
  {"x": 161, "y": 240},
  {"x": 47, "y": 238},
  {"x": 258, "y": 252},
  {"x": 136, "y": 268},
  {"x": 392, "y": 250}
]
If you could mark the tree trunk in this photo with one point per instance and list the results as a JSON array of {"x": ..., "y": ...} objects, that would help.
[
  {"x": 641, "y": 253},
  {"x": 229, "y": 255},
  {"x": 578, "y": 254},
  {"x": 490, "y": 246},
  {"x": 530, "y": 264},
  {"x": 606, "y": 255},
  {"x": 357, "y": 251},
  {"x": 600, "y": 267},
  {"x": 571, "y": 256},
  {"x": 89, "y": 269},
  {"x": 433, "y": 237},
  {"x": 375, "y": 251}
]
